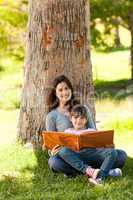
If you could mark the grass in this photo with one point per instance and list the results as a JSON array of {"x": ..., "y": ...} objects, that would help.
[
  {"x": 117, "y": 90},
  {"x": 24, "y": 174},
  {"x": 8, "y": 126},
  {"x": 10, "y": 82},
  {"x": 111, "y": 66}
]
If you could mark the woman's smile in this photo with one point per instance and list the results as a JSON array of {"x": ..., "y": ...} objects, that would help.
[{"x": 63, "y": 92}]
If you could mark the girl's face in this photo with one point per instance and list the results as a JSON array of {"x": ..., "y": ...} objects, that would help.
[
  {"x": 79, "y": 122},
  {"x": 63, "y": 92}
]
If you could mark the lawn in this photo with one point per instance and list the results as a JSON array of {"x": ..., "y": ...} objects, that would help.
[
  {"x": 24, "y": 173},
  {"x": 111, "y": 66}
]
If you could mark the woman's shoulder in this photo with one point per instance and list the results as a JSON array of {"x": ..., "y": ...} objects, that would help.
[{"x": 53, "y": 113}]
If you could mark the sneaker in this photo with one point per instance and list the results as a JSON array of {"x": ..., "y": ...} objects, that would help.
[
  {"x": 96, "y": 182},
  {"x": 115, "y": 172},
  {"x": 91, "y": 172}
]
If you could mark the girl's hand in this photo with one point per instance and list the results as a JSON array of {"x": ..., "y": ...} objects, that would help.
[{"x": 55, "y": 150}]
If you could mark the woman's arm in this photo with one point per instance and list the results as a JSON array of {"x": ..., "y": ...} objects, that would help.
[
  {"x": 91, "y": 122},
  {"x": 51, "y": 126},
  {"x": 50, "y": 122}
]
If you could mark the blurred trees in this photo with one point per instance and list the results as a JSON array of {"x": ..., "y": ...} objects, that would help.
[
  {"x": 13, "y": 20},
  {"x": 111, "y": 14}
]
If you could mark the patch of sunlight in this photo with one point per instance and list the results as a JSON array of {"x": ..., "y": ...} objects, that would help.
[
  {"x": 8, "y": 126},
  {"x": 111, "y": 66},
  {"x": 110, "y": 107},
  {"x": 125, "y": 36},
  {"x": 124, "y": 141}
]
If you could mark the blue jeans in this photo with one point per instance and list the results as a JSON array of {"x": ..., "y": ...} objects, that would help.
[
  {"x": 80, "y": 160},
  {"x": 57, "y": 164}
]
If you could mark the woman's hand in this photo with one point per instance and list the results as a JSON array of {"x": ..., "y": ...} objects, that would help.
[{"x": 55, "y": 150}]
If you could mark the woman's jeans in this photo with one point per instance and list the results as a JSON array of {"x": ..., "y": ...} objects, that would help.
[{"x": 72, "y": 163}]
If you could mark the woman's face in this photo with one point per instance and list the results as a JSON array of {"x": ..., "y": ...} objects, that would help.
[{"x": 63, "y": 92}]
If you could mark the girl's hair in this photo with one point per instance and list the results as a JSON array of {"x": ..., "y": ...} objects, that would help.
[
  {"x": 79, "y": 111},
  {"x": 53, "y": 101}
]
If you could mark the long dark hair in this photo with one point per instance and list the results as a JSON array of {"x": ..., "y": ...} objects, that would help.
[{"x": 53, "y": 101}]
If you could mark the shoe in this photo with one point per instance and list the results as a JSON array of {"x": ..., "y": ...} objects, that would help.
[
  {"x": 115, "y": 172},
  {"x": 91, "y": 172},
  {"x": 96, "y": 182}
]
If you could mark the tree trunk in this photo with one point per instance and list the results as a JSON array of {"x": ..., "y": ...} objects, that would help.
[
  {"x": 117, "y": 37},
  {"x": 116, "y": 23},
  {"x": 57, "y": 43},
  {"x": 131, "y": 49}
]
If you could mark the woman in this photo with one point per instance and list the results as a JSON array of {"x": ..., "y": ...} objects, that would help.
[{"x": 60, "y": 101}]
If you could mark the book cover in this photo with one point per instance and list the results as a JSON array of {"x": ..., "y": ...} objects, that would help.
[{"x": 92, "y": 139}]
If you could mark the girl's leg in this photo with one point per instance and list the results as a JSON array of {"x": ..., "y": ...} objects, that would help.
[
  {"x": 73, "y": 159},
  {"x": 69, "y": 162},
  {"x": 105, "y": 157},
  {"x": 58, "y": 165}
]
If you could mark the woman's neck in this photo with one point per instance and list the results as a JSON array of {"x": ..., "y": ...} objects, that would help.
[
  {"x": 62, "y": 105},
  {"x": 63, "y": 108}
]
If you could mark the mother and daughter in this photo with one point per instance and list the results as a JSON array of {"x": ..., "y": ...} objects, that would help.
[{"x": 66, "y": 114}]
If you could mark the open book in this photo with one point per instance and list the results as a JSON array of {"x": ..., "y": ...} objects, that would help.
[{"x": 91, "y": 139}]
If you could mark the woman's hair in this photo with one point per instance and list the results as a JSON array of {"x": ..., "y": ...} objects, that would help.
[
  {"x": 79, "y": 111},
  {"x": 53, "y": 101}
]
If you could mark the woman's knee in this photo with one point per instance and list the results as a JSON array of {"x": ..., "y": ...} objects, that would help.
[
  {"x": 113, "y": 153},
  {"x": 54, "y": 163},
  {"x": 57, "y": 164},
  {"x": 122, "y": 156},
  {"x": 51, "y": 162}
]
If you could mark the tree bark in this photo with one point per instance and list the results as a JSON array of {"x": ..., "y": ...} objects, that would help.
[
  {"x": 116, "y": 23},
  {"x": 57, "y": 43},
  {"x": 117, "y": 37},
  {"x": 131, "y": 49}
]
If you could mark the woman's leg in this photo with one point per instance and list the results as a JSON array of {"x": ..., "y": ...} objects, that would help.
[
  {"x": 58, "y": 165},
  {"x": 119, "y": 163},
  {"x": 121, "y": 159}
]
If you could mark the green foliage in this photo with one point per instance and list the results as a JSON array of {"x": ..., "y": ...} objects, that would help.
[
  {"x": 25, "y": 175},
  {"x": 111, "y": 14},
  {"x": 13, "y": 24},
  {"x": 13, "y": 17}
]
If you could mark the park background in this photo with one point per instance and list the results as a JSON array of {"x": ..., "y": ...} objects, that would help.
[{"x": 22, "y": 175}]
